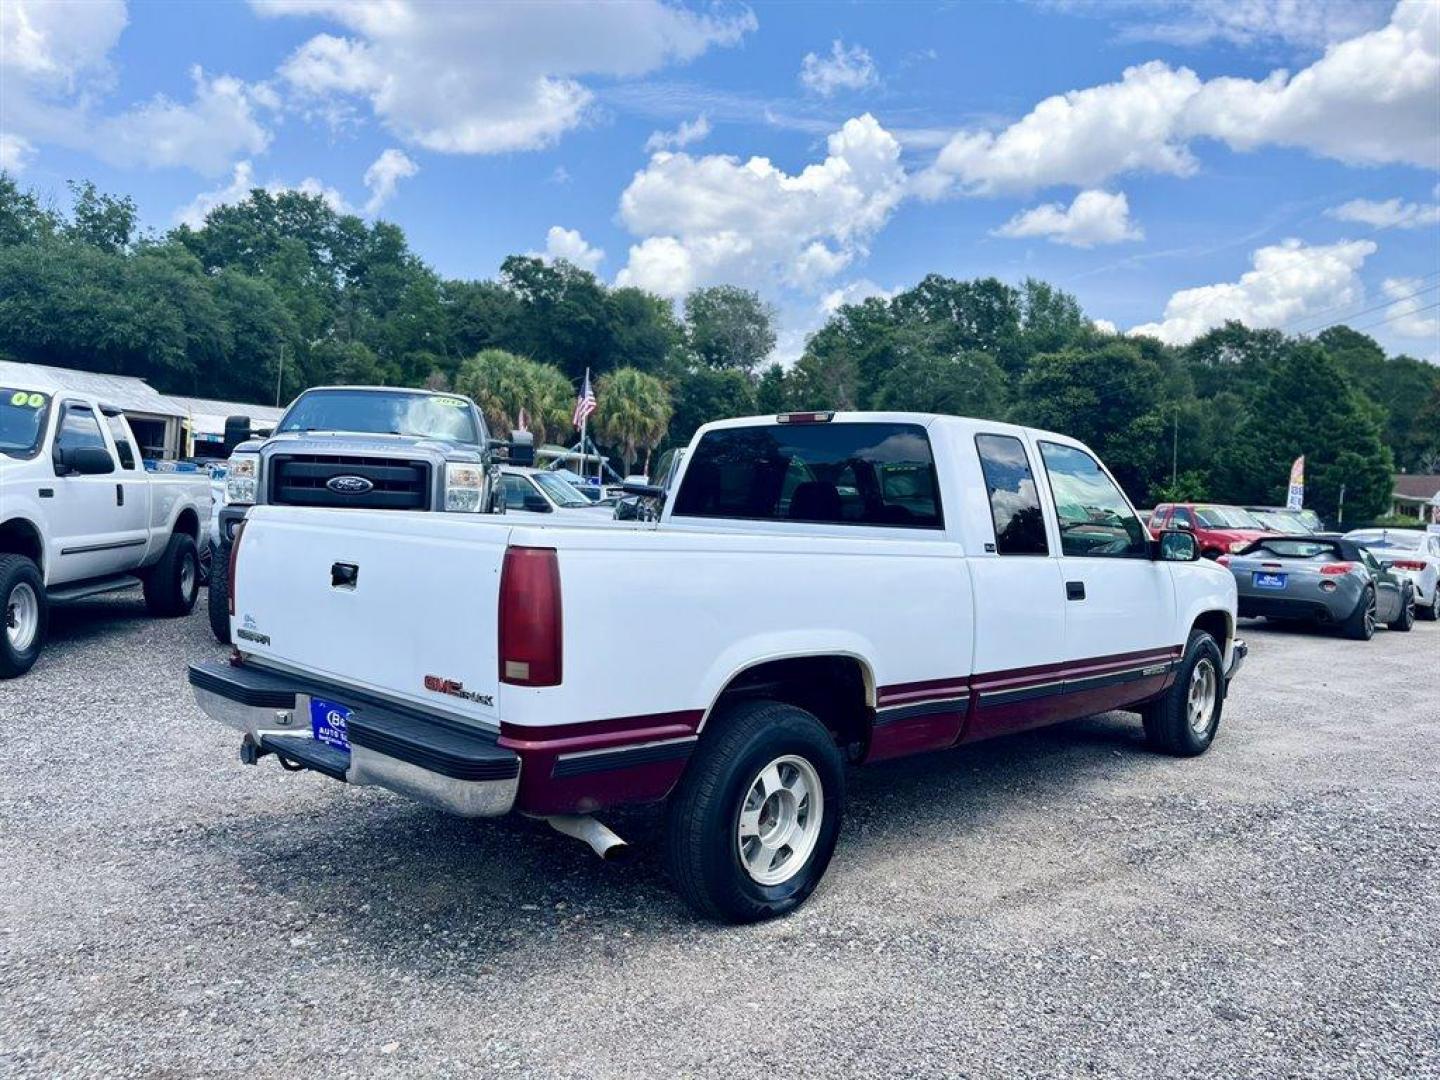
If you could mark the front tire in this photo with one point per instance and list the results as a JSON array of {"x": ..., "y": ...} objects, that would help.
[
  {"x": 24, "y": 615},
  {"x": 1360, "y": 626},
  {"x": 1184, "y": 720},
  {"x": 754, "y": 821},
  {"x": 173, "y": 583},
  {"x": 217, "y": 602}
]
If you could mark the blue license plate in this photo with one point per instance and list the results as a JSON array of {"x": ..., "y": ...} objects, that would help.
[
  {"x": 1262, "y": 580},
  {"x": 328, "y": 723}
]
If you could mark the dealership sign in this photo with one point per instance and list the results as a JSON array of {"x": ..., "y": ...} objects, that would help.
[{"x": 1296, "y": 498}]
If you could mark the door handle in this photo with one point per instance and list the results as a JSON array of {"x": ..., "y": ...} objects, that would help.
[
  {"x": 119, "y": 494},
  {"x": 1074, "y": 590}
]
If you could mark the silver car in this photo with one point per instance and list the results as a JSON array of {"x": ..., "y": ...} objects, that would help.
[{"x": 1320, "y": 579}]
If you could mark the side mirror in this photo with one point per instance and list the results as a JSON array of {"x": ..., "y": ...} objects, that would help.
[
  {"x": 645, "y": 491},
  {"x": 85, "y": 460},
  {"x": 1176, "y": 545},
  {"x": 1184, "y": 526},
  {"x": 521, "y": 449}
]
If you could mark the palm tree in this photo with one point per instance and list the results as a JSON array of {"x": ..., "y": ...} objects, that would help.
[
  {"x": 502, "y": 384},
  {"x": 632, "y": 412}
]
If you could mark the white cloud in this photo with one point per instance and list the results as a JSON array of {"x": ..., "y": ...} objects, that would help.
[
  {"x": 1372, "y": 99},
  {"x": 1105, "y": 326},
  {"x": 716, "y": 218},
  {"x": 689, "y": 131},
  {"x": 242, "y": 183},
  {"x": 221, "y": 123},
  {"x": 57, "y": 48},
  {"x": 1390, "y": 214},
  {"x": 1300, "y": 23},
  {"x": 384, "y": 174},
  {"x": 15, "y": 152},
  {"x": 1094, "y": 217},
  {"x": 1290, "y": 281},
  {"x": 844, "y": 69},
  {"x": 1411, "y": 315},
  {"x": 568, "y": 244},
  {"x": 489, "y": 78},
  {"x": 855, "y": 292}
]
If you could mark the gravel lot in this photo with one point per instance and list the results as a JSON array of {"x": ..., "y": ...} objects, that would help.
[{"x": 1056, "y": 904}]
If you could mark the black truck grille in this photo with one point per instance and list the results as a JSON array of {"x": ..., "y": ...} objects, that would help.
[{"x": 304, "y": 479}]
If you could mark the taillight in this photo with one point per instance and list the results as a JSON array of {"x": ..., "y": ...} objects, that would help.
[
  {"x": 1335, "y": 569},
  {"x": 230, "y": 566},
  {"x": 1407, "y": 564},
  {"x": 530, "y": 630}
]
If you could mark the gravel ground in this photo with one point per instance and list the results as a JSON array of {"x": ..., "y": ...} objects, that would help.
[{"x": 1056, "y": 904}]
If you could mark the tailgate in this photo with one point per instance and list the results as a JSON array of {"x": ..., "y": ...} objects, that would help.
[{"x": 417, "y": 623}]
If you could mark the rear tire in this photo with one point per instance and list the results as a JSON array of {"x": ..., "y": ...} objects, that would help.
[
  {"x": 1432, "y": 611},
  {"x": 1184, "y": 720},
  {"x": 1407, "y": 613},
  {"x": 1360, "y": 625},
  {"x": 24, "y": 615},
  {"x": 217, "y": 603},
  {"x": 742, "y": 841},
  {"x": 172, "y": 584}
]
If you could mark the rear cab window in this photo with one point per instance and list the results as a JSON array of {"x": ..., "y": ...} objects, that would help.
[
  {"x": 875, "y": 474},
  {"x": 1014, "y": 499},
  {"x": 121, "y": 435}
]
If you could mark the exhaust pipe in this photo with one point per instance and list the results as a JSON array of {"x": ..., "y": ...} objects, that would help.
[{"x": 583, "y": 827}]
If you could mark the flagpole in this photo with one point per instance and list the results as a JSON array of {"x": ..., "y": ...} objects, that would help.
[{"x": 584, "y": 419}]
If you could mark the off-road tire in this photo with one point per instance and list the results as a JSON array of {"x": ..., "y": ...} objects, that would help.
[
  {"x": 167, "y": 593},
  {"x": 217, "y": 602},
  {"x": 17, "y": 570},
  {"x": 1167, "y": 718},
  {"x": 1357, "y": 626},
  {"x": 702, "y": 850}
]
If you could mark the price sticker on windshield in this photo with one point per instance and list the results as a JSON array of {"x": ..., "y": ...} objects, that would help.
[
  {"x": 453, "y": 402},
  {"x": 21, "y": 399}
]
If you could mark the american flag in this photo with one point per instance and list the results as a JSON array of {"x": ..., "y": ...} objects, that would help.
[{"x": 585, "y": 403}]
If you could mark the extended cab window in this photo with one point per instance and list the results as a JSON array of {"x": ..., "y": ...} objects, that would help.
[
  {"x": 1014, "y": 500},
  {"x": 122, "y": 442},
  {"x": 1094, "y": 517},
  {"x": 842, "y": 474}
]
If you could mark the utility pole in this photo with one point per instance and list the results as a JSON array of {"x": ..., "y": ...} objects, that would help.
[
  {"x": 1340, "y": 513},
  {"x": 1174, "y": 448},
  {"x": 279, "y": 375}
]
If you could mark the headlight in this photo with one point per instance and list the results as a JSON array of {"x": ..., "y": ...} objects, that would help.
[
  {"x": 1236, "y": 546},
  {"x": 464, "y": 488},
  {"x": 240, "y": 473}
]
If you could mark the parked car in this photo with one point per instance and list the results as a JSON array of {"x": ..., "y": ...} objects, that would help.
[
  {"x": 80, "y": 515},
  {"x": 536, "y": 491},
  {"x": 643, "y": 502},
  {"x": 1314, "y": 579},
  {"x": 1410, "y": 554},
  {"x": 363, "y": 447},
  {"x": 1281, "y": 522},
  {"x": 1217, "y": 528},
  {"x": 820, "y": 586}
]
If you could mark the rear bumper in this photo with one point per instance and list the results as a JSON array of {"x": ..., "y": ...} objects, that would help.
[
  {"x": 1238, "y": 652},
  {"x": 453, "y": 766}
]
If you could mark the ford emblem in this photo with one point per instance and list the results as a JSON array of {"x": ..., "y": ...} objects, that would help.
[{"x": 349, "y": 485}]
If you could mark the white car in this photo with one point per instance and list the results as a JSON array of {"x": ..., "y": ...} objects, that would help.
[
  {"x": 536, "y": 491},
  {"x": 80, "y": 515},
  {"x": 820, "y": 587},
  {"x": 1408, "y": 553}
]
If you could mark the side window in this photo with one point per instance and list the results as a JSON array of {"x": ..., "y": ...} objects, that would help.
[
  {"x": 79, "y": 428},
  {"x": 1094, "y": 517},
  {"x": 517, "y": 490},
  {"x": 1183, "y": 518},
  {"x": 1014, "y": 500},
  {"x": 837, "y": 474},
  {"x": 122, "y": 442}
]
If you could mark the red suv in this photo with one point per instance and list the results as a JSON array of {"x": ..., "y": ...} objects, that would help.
[{"x": 1219, "y": 529}]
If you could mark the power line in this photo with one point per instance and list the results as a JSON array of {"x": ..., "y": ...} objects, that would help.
[
  {"x": 1357, "y": 314},
  {"x": 1381, "y": 322}
]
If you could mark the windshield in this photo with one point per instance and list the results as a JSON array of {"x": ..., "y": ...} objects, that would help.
[
  {"x": 1280, "y": 521},
  {"x": 560, "y": 492},
  {"x": 1226, "y": 517},
  {"x": 22, "y": 421},
  {"x": 383, "y": 412},
  {"x": 1385, "y": 539}
]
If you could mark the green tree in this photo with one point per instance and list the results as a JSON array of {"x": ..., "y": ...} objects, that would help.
[
  {"x": 632, "y": 413},
  {"x": 971, "y": 384},
  {"x": 22, "y": 219},
  {"x": 502, "y": 384},
  {"x": 729, "y": 327},
  {"x": 709, "y": 394},
  {"x": 100, "y": 220},
  {"x": 563, "y": 315},
  {"x": 773, "y": 391}
]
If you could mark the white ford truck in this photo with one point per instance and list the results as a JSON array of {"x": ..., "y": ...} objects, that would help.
[
  {"x": 819, "y": 588},
  {"x": 80, "y": 515}
]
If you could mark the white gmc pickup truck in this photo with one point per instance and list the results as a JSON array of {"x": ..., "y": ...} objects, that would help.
[
  {"x": 80, "y": 515},
  {"x": 820, "y": 587}
]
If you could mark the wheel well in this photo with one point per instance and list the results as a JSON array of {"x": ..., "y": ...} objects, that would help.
[
  {"x": 837, "y": 690},
  {"x": 19, "y": 537},
  {"x": 1217, "y": 625},
  {"x": 189, "y": 523}
]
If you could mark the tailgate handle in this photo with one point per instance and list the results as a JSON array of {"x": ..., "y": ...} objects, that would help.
[
  {"x": 1074, "y": 590},
  {"x": 344, "y": 575}
]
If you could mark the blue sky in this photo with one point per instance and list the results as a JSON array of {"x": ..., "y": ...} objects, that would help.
[{"x": 1172, "y": 164}]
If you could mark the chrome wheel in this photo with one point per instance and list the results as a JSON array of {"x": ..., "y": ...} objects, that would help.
[
  {"x": 1370, "y": 615},
  {"x": 780, "y": 819},
  {"x": 1200, "y": 702},
  {"x": 22, "y": 617}
]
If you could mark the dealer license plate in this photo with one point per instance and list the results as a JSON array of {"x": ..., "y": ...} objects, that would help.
[
  {"x": 1263, "y": 580},
  {"x": 329, "y": 721}
]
